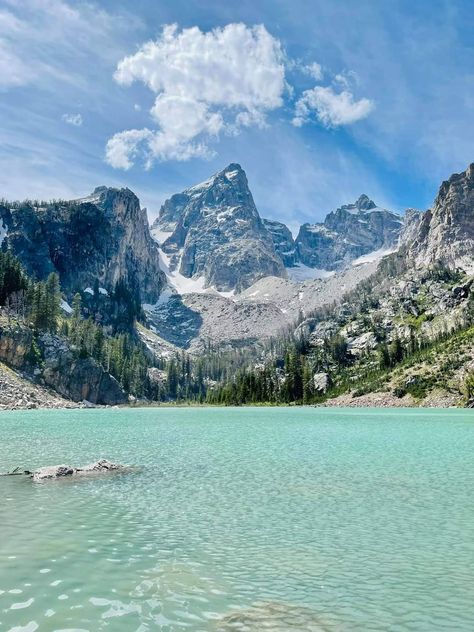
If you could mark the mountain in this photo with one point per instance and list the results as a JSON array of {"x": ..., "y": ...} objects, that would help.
[
  {"x": 353, "y": 230},
  {"x": 235, "y": 308},
  {"x": 96, "y": 240},
  {"x": 213, "y": 232},
  {"x": 445, "y": 233}
]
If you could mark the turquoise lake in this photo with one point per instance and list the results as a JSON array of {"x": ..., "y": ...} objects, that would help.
[{"x": 240, "y": 519}]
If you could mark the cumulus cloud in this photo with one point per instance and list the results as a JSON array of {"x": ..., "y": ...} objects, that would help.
[
  {"x": 207, "y": 83},
  {"x": 332, "y": 109},
  {"x": 123, "y": 147},
  {"x": 73, "y": 119}
]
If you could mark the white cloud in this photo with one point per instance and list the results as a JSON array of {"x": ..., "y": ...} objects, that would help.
[
  {"x": 314, "y": 70},
  {"x": 206, "y": 84},
  {"x": 346, "y": 79},
  {"x": 330, "y": 108},
  {"x": 73, "y": 119},
  {"x": 123, "y": 147}
]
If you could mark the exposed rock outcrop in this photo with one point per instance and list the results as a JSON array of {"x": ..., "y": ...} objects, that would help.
[
  {"x": 75, "y": 377},
  {"x": 51, "y": 362},
  {"x": 18, "y": 393},
  {"x": 446, "y": 232}
]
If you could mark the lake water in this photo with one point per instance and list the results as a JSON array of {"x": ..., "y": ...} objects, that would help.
[{"x": 240, "y": 519}]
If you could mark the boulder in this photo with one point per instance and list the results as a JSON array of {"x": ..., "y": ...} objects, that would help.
[{"x": 321, "y": 382}]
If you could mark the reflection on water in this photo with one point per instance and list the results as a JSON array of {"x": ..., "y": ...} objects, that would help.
[{"x": 248, "y": 520}]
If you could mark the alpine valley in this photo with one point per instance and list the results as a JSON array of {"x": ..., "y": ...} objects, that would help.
[{"x": 215, "y": 304}]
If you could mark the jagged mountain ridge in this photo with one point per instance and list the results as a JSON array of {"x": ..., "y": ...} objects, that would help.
[
  {"x": 100, "y": 238},
  {"x": 212, "y": 231}
]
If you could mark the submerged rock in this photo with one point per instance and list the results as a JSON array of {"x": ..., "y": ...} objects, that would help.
[
  {"x": 273, "y": 615},
  {"x": 100, "y": 466},
  {"x": 57, "y": 471}
]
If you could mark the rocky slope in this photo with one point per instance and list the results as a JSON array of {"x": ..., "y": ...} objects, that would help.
[
  {"x": 261, "y": 311},
  {"x": 217, "y": 233},
  {"x": 346, "y": 234},
  {"x": 19, "y": 393},
  {"x": 98, "y": 239},
  {"x": 433, "y": 378},
  {"x": 445, "y": 233}
]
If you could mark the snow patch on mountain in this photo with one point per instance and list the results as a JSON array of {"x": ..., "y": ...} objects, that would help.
[
  {"x": 300, "y": 272},
  {"x": 375, "y": 255},
  {"x": 160, "y": 236},
  {"x": 178, "y": 284}
]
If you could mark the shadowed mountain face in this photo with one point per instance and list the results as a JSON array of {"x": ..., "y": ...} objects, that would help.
[
  {"x": 102, "y": 238},
  {"x": 445, "y": 233},
  {"x": 283, "y": 241},
  {"x": 349, "y": 232},
  {"x": 217, "y": 233}
]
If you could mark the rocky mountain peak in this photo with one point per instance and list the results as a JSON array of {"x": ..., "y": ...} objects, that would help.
[
  {"x": 213, "y": 231},
  {"x": 349, "y": 232},
  {"x": 364, "y": 203}
]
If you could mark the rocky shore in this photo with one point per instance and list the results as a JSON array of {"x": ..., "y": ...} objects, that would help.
[
  {"x": 436, "y": 399},
  {"x": 17, "y": 393}
]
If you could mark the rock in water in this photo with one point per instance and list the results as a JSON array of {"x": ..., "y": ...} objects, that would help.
[
  {"x": 57, "y": 471},
  {"x": 99, "y": 466},
  {"x": 52, "y": 471}
]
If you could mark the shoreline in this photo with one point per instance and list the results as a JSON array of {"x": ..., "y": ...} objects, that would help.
[{"x": 19, "y": 393}]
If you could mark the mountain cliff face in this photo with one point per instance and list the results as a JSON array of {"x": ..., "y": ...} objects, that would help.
[
  {"x": 349, "y": 232},
  {"x": 283, "y": 241},
  {"x": 104, "y": 237},
  {"x": 217, "y": 233},
  {"x": 445, "y": 233}
]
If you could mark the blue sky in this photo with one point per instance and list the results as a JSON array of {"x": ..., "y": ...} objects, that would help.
[{"x": 326, "y": 100}]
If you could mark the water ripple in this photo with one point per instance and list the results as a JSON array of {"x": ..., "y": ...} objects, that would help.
[{"x": 248, "y": 520}]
